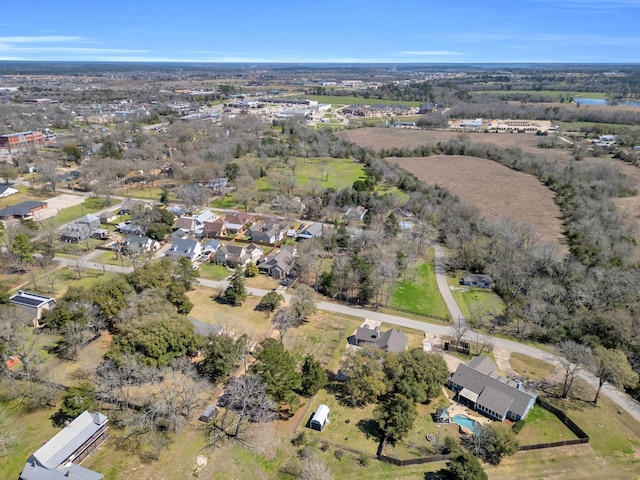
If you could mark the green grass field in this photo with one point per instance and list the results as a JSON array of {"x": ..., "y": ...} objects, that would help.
[
  {"x": 338, "y": 100},
  {"x": 90, "y": 205},
  {"x": 419, "y": 292},
  {"x": 476, "y": 302}
]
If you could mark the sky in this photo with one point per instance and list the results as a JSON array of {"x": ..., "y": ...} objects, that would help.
[{"x": 322, "y": 31}]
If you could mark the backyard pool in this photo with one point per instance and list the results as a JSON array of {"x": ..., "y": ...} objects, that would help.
[{"x": 466, "y": 422}]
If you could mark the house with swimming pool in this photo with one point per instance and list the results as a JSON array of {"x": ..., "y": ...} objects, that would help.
[{"x": 479, "y": 385}]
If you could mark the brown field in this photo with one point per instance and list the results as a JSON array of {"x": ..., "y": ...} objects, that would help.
[
  {"x": 496, "y": 191},
  {"x": 379, "y": 137}
]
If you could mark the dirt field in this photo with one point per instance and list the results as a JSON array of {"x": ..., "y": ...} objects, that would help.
[
  {"x": 495, "y": 190},
  {"x": 378, "y": 138}
]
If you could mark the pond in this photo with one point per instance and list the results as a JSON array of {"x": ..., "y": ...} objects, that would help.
[
  {"x": 466, "y": 422},
  {"x": 602, "y": 101}
]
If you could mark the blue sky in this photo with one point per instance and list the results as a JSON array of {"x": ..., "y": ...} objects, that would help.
[{"x": 390, "y": 31}]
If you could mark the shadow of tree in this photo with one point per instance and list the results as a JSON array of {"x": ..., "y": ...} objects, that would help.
[{"x": 369, "y": 427}]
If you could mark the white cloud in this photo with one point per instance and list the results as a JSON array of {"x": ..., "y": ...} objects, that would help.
[
  {"x": 432, "y": 53},
  {"x": 40, "y": 39}
]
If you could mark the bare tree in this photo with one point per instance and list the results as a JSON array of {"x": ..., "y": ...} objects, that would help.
[
  {"x": 573, "y": 357},
  {"x": 458, "y": 329},
  {"x": 48, "y": 173},
  {"x": 247, "y": 402},
  {"x": 283, "y": 320},
  {"x": 303, "y": 302},
  {"x": 19, "y": 340},
  {"x": 314, "y": 469}
]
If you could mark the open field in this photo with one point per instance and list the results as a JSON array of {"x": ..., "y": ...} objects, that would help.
[
  {"x": 379, "y": 137},
  {"x": 497, "y": 192},
  {"x": 530, "y": 367},
  {"x": 339, "y": 100}
]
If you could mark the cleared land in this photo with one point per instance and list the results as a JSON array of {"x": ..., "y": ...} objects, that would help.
[{"x": 496, "y": 191}]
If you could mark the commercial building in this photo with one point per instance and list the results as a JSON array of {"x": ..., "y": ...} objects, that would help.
[{"x": 21, "y": 139}]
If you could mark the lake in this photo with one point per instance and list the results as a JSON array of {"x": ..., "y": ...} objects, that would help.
[{"x": 602, "y": 101}]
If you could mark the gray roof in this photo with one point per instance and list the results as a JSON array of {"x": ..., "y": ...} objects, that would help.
[
  {"x": 22, "y": 209},
  {"x": 392, "y": 340},
  {"x": 499, "y": 402},
  {"x": 483, "y": 364},
  {"x": 45, "y": 462},
  {"x": 476, "y": 381}
]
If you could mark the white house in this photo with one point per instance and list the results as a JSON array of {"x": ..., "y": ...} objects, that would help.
[{"x": 6, "y": 190}]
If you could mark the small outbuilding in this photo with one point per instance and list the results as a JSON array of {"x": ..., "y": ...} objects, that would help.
[
  {"x": 209, "y": 414},
  {"x": 442, "y": 416},
  {"x": 320, "y": 418}
]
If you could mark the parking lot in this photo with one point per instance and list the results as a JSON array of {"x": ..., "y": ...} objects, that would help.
[{"x": 56, "y": 204}]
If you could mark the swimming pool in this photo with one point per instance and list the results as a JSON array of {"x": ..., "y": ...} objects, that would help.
[{"x": 465, "y": 421}]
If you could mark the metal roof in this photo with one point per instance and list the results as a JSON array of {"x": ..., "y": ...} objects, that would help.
[{"x": 30, "y": 299}]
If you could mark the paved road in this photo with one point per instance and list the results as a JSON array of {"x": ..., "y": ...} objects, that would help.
[{"x": 621, "y": 399}]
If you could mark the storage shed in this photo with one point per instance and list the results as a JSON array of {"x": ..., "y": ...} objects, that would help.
[
  {"x": 320, "y": 418},
  {"x": 209, "y": 414}
]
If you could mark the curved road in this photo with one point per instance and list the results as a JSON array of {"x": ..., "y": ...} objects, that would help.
[{"x": 621, "y": 399}]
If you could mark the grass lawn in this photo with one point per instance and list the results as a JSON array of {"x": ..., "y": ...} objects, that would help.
[
  {"x": 419, "y": 292},
  {"x": 213, "y": 271},
  {"x": 24, "y": 194},
  {"x": 530, "y": 367},
  {"x": 475, "y": 302},
  {"x": 144, "y": 192},
  {"x": 338, "y": 100},
  {"x": 542, "y": 426},
  {"x": 576, "y": 126},
  {"x": 237, "y": 320},
  {"x": 33, "y": 428}
]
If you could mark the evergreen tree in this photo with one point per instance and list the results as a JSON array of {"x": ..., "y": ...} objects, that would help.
[
  {"x": 314, "y": 377},
  {"x": 235, "y": 293}
]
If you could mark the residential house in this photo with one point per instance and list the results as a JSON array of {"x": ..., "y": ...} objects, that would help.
[
  {"x": 75, "y": 233},
  {"x": 61, "y": 456},
  {"x": 479, "y": 385},
  {"x": 131, "y": 229},
  {"x": 233, "y": 256},
  {"x": 237, "y": 222},
  {"x": 270, "y": 232},
  {"x": 135, "y": 245},
  {"x": 477, "y": 280},
  {"x": 92, "y": 221},
  {"x": 215, "y": 229},
  {"x": 32, "y": 305},
  {"x": 6, "y": 190},
  {"x": 355, "y": 213},
  {"x": 284, "y": 203},
  {"x": 22, "y": 210},
  {"x": 190, "y": 249},
  {"x": 218, "y": 184},
  {"x": 186, "y": 224},
  {"x": 176, "y": 210},
  {"x": 279, "y": 264},
  {"x": 211, "y": 246},
  {"x": 390, "y": 341},
  {"x": 205, "y": 329},
  {"x": 129, "y": 204},
  {"x": 313, "y": 230},
  {"x": 255, "y": 252},
  {"x": 108, "y": 217}
]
